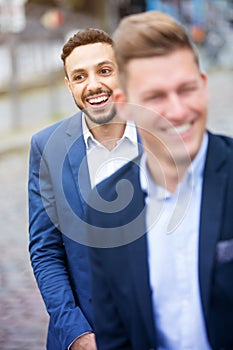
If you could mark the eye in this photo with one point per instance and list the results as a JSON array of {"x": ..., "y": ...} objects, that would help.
[
  {"x": 155, "y": 97},
  {"x": 106, "y": 71},
  {"x": 188, "y": 89},
  {"x": 79, "y": 77}
]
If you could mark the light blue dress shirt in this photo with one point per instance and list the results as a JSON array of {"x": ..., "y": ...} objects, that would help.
[{"x": 173, "y": 236}]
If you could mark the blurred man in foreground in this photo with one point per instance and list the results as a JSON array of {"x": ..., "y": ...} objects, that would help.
[{"x": 161, "y": 236}]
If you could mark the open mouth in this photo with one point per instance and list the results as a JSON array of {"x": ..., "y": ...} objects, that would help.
[
  {"x": 98, "y": 100},
  {"x": 179, "y": 129}
]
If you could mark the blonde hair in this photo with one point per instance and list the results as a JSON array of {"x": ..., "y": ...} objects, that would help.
[{"x": 149, "y": 34}]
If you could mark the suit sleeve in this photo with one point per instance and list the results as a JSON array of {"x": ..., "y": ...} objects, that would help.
[{"x": 48, "y": 258}]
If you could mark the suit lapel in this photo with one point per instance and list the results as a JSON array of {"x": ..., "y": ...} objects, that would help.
[
  {"x": 138, "y": 258},
  {"x": 138, "y": 254},
  {"x": 76, "y": 152},
  {"x": 214, "y": 185}
]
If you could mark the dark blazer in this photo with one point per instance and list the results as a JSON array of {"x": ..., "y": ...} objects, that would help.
[
  {"x": 58, "y": 183},
  {"x": 121, "y": 289}
]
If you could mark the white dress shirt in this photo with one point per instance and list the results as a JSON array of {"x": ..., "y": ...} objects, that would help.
[
  {"x": 101, "y": 162},
  {"x": 173, "y": 237}
]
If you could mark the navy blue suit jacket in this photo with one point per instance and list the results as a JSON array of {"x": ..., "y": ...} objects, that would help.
[
  {"x": 121, "y": 289},
  {"x": 58, "y": 183}
]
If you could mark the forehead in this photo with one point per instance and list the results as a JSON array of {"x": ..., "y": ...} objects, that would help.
[
  {"x": 89, "y": 56},
  {"x": 162, "y": 70}
]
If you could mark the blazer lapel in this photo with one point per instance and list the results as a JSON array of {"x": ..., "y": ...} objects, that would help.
[
  {"x": 76, "y": 152},
  {"x": 138, "y": 254},
  {"x": 137, "y": 251},
  {"x": 214, "y": 184}
]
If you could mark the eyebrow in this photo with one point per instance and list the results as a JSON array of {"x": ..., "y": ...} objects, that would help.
[
  {"x": 105, "y": 62},
  {"x": 100, "y": 64}
]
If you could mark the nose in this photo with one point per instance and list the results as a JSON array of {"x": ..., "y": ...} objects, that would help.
[
  {"x": 176, "y": 109},
  {"x": 93, "y": 82}
]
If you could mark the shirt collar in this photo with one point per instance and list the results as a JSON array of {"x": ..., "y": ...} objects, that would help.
[
  {"x": 88, "y": 137},
  {"x": 130, "y": 133},
  {"x": 194, "y": 171},
  {"x": 196, "y": 168}
]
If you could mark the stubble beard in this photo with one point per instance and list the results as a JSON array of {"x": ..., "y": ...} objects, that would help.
[{"x": 99, "y": 119}]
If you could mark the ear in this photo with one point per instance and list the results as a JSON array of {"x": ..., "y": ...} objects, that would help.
[
  {"x": 204, "y": 80},
  {"x": 121, "y": 104},
  {"x": 67, "y": 82}
]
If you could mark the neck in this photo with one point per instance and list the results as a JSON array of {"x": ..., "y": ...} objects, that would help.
[
  {"x": 107, "y": 134},
  {"x": 166, "y": 172}
]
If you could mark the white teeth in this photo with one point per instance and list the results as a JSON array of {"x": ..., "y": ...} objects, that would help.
[
  {"x": 98, "y": 99},
  {"x": 179, "y": 129}
]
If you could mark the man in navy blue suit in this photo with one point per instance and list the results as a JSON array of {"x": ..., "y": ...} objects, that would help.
[
  {"x": 66, "y": 160},
  {"x": 160, "y": 229}
]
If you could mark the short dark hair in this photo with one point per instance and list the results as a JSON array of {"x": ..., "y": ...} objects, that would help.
[{"x": 84, "y": 37}]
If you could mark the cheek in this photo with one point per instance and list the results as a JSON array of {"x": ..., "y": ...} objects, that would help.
[
  {"x": 200, "y": 100},
  {"x": 77, "y": 93},
  {"x": 201, "y": 106},
  {"x": 113, "y": 82}
]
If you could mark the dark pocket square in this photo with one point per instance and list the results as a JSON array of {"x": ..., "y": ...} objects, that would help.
[{"x": 225, "y": 251}]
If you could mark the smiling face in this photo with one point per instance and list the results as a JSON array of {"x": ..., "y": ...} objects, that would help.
[
  {"x": 172, "y": 97},
  {"x": 91, "y": 78}
]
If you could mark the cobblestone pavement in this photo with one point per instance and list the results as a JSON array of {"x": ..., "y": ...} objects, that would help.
[{"x": 23, "y": 319}]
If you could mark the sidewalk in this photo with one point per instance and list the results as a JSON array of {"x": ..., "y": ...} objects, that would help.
[{"x": 23, "y": 318}]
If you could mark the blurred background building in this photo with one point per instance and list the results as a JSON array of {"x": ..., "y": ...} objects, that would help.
[{"x": 32, "y": 33}]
